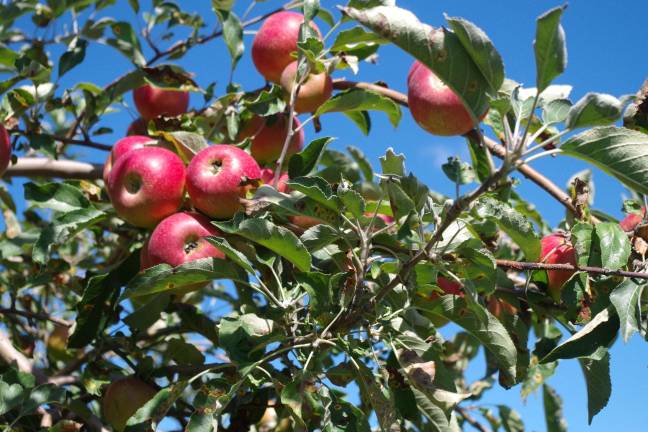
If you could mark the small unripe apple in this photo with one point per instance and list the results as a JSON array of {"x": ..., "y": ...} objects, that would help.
[
  {"x": 218, "y": 176},
  {"x": 314, "y": 91},
  {"x": 137, "y": 127},
  {"x": 152, "y": 102},
  {"x": 146, "y": 185},
  {"x": 269, "y": 139},
  {"x": 631, "y": 221},
  {"x": 557, "y": 249},
  {"x": 5, "y": 150},
  {"x": 267, "y": 177},
  {"x": 122, "y": 399},
  {"x": 57, "y": 343},
  {"x": 122, "y": 147},
  {"x": 180, "y": 238},
  {"x": 434, "y": 105},
  {"x": 275, "y": 42}
]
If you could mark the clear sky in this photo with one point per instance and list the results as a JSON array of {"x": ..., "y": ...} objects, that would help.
[{"x": 607, "y": 53}]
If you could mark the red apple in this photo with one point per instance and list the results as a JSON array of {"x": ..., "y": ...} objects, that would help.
[
  {"x": 434, "y": 106},
  {"x": 304, "y": 222},
  {"x": 314, "y": 91},
  {"x": 137, "y": 127},
  {"x": 268, "y": 141},
  {"x": 557, "y": 249},
  {"x": 275, "y": 42},
  {"x": 122, "y": 147},
  {"x": 122, "y": 398},
  {"x": 146, "y": 185},
  {"x": 217, "y": 178},
  {"x": 500, "y": 308},
  {"x": 448, "y": 287},
  {"x": 5, "y": 150},
  {"x": 145, "y": 258},
  {"x": 152, "y": 102},
  {"x": 631, "y": 221},
  {"x": 179, "y": 239},
  {"x": 267, "y": 177}
]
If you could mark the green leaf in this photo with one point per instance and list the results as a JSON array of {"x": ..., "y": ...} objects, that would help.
[
  {"x": 145, "y": 316},
  {"x": 392, "y": 163},
  {"x": 351, "y": 200},
  {"x": 371, "y": 390},
  {"x": 626, "y": 300},
  {"x": 513, "y": 223},
  {"x": 73, "y": 56},
  {"x": 622, "y": 153},
  {"x": 97, "y": 306},
  {"x": 231, "y": 253},
  {"x": 439, "y": 49},
  {"x": 481, "y": 50},
  {"x": 483, "y": 326},
  {"x": 317, "y": 189},
  {"x": 134, "y": 4},
  {"x": 319, "y": 236},
  {"x": 354, "y": 39},
  {"x": 244, "y": 337},
  {"x": 11, "y": 396},
  {"x": 232, "y": 33},
  {"x": 581, "y": 238},
  {"x": 318, "y": 287},
  {"x": 363, "y": 163},
  {"x": 55, "y": 196},
  {"x": 599, "y": 332},
  {"x": 553, "y": 410},
  {"x": 155, "y": 409},
  {"x": 550, "y": 48},
  {"x": 359, "y": 99},
  {"x": 458, "y": 171},
  {"x": 360, "y": 119},
  {"x": 613, "y": 244},
  {"x": 599, "y": 385},
  {"x": 556, "y": 111},
  {"x": 126, "y": 42},
  {"x": 187, "y": 144},
  {"x": 63, "y": 228},
  {"x": 184, "y": 353},
  {"x": 278, "y": 239},
  {"x": 594, "y": 109},
  {"x": 302, "y": 163},
  {"x": 511, "y": 420}
]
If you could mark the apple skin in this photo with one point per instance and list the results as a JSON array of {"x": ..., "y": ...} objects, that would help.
[
  {"x": 314, "y": 91},
  {"x": 269, "y": 139},
  {"x": 448, "y": 287},
  {"x": 557, "y": 249},
  {"x": 5, "y": 150},
  {"x": 139, "y": 126},
  {"x": 275, "y": 42},
  {"x": 179, "y": 239},
  {"x": 267, "y": 177},
  {"x": 146, "y": 185},
  {"x": 500, "y": 308},
  {"x": 214, "y": 178},
  {"x": 152, "y": 102},
  {"x": 631, "y": 221},
  {"x": 434, "y": 106},
  {"x": 122, "y": 147},
  {"x": 122, "y": 398}
]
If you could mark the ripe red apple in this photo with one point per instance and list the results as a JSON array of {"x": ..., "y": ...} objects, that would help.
[
  {"x": 5, "y": 150},
  {"x": 122, "y": 399},
  {"x": 434, "y": 106},
  {"x": 500, "y": 308},
  {"x": 145, "y": 259},
  {"x": 275, "y": 42},
  {"x": 269, "y": 139},
  {"x": 179, "y": 239},
  {"x": 267, "y": 177},
  {"x": 146, "y": 185},
  {"x": 630, "y": 222},
  {"x": 314, "y": 91},
  {"x": 557, "y": 249},
  {"x": 137, "y": 127},
  {"x": 152, "y": 102},
  {"x": 217, "y": 178},
  {"x": 122, "y": 147},
  {"x": 448, "y": 287}
]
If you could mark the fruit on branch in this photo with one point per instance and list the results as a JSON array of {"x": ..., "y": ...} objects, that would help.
[
  {"x": 500, "y": 308},
  {"x": 57, "y": 344},
  {"x": 122, "y": 398},
  {"x": 180, "y": 238},
  {"x": 146, "y": 185},
  {"x": 5, "y": 150},
  {"x": 313, "y": 92},
  {"x": 152, "y": 102},
  {"x": 434, "y": 105},
  {"x": 122, "y": 147},
  {"x": 557, "y": 249},
  {"x": 448, "y": 287},
  {"x": 218, "y": 176},
  {"x": 275, "y": 42},
  {"x": 631, "y": 221},
  {"x": 268, "y": 138},
  {"x": 139, "y": 126},
  {"x": 267, "y": 177}
]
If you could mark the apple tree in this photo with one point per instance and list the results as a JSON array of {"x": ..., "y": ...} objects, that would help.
[{"x": 227, "y": 269}]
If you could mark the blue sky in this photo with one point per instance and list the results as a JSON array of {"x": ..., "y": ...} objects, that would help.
[{"x": 606, "y": 45}]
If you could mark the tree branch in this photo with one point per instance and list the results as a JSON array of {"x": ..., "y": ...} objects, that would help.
[
  {"x": 34, "y": 315},
  {"x": 10, "y": 355},
  {"x": 523, "y": 266},
  {"x": 471, "y": 420},
  {"x": 64, "y": 139},
  {"x": 43, "y": 167}
]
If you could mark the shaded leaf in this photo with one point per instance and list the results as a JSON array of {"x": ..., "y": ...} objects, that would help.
[
  {"x": 359, "y": 99},
  {"x": 599, "y": 385},
  {"x": 625, "y": 298},
  {"x": 553, "y": 410}
]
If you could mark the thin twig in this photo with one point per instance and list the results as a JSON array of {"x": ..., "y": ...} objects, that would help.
[
  {"x": 471, "y": 420},
  {"x": 65, "y": 140},
  {"x": 523, "y": 266},
  {"x": 43, "y": 167},
  {"x": 35, "y": 315}
]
